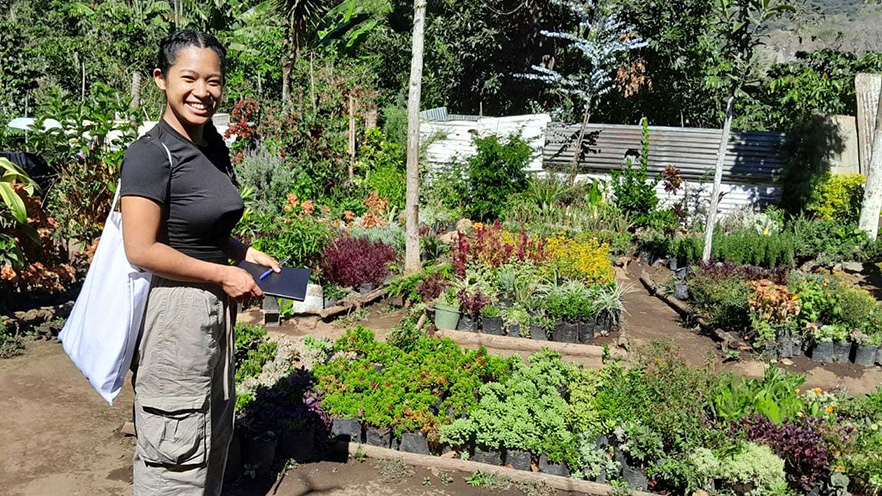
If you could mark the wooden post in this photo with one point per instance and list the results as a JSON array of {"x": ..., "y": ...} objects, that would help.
[
  {"x": 412, "y": 242},
  {"x": 718, "y": 179},
  {"x": 351, "y": 137},
  {"x": 869, "y": 220},
  {"x": 574, "y": 167}
]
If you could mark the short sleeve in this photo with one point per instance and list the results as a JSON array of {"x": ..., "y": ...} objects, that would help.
[{"x": 145, "y": 172}]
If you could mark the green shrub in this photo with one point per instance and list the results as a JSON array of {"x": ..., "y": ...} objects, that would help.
[
  {"x": 495, "y": 173},
  {"x": 389, "y": 181},
  {"x": 751, "y": 464},
  {"x": 10, "y": 345},
  {"x": 836, "y": 196},
  {"x": 301, "y": 239},
  {"x": 753, "y": 248},
  {"x": 253, "y": 350},
  {"x": 724, "y": 301},
  {"x": 633, "y": 189},
  {"x": 831, "y": 240},
  {"x": 385, "y": 171},
  {"x": 270, "y": 180}
]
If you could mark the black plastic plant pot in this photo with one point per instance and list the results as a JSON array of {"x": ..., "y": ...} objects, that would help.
[
  {"x": 603, "y": 323},
  {"x": 841, "y": 351},
  {"x": 635, "y": 478},
  {"x": 547, "y": 466},
  {"x": 538, "y": 333},
  {"x": 681, "y": 272},
  {"x": 366, "y": 288},
  {"x": 519, "y": 460},
  {"x": 672, "y": 263},
  {"x": 566, "y": 332},
  {"x": 822, "y": 352},
  {"x": 298, "y": 445},
  {"x": 259, "y": 453},
  {"x": 681, "y": 291},
  {"x": 414, "y": 442},
  {"x": 492, "y": 325},
  {"x": 329, "y": 302},
  {"x": 785, "y": 345},
  {"x": 586, "y": 332},
  {"x": 378, "y": 436},
  {"x": 505, "y": 302},
  {"x": 348, "y": 430},
  {"x": 798, "y": 345},
  {"x": 488, "y": 456},
  {"x": 865, "y": 356},
  {"x": 879, "y": 356},
  {"x": 467, "y": 323},
  {"x": 514, "y": 330}
]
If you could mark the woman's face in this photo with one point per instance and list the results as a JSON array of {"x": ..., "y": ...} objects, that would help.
[{"x": 193, "y": 86}]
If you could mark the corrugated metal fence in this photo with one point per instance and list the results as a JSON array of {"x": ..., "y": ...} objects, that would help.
[{"x": 750, "y": 157}]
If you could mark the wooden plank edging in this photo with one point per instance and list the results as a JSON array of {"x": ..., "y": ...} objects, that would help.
[
  {"x": 527, "y": 345},
  {"x": 430, "y": 461}
]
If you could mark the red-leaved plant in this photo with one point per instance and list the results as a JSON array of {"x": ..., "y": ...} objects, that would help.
[
  {"x": 350, "y": 262},
  {"x": 492, "y": 246}
]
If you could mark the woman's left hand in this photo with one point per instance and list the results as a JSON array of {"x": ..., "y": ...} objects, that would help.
[{"x": 261, "y": 258}]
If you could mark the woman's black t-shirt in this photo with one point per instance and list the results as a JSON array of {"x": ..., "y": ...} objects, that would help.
[{"x": 198, "y": 191}]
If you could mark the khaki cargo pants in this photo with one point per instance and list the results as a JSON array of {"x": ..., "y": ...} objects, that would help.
[{"x": 184, "y": 390}]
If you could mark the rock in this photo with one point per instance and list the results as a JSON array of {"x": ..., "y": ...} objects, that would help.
[
  {"x": 127, "y": 429},
  {"x": 700, "y": 492},
  {"x": 853, "y": 267},
  {"x": 681, "y": 291},
  {"x": 464, "y": 225},
  {"x": 786, "y": 361},
  {"x": 448, "y": 238}
]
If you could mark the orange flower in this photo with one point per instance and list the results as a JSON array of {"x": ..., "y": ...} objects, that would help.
[
  {"x": 7, "y": 273},
  {"x": 308, "y": 207},
  {"x": 348, "y": 216},
  {"x": 326, "y": 208},
  {"x": 830, "y": 408},
  {"x": 292, "y": 200},
  {"x": 797, "y": 390},
  {"x": 817, "y": 390},
  {"x": 478, "y": 226}
]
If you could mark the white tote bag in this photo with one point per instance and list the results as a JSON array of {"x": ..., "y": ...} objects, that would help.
[{"x": 102, "y": 329}]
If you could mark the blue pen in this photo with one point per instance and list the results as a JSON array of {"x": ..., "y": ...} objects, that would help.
[{"x": 270, "y": 271}]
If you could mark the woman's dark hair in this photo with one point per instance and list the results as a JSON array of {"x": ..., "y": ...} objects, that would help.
[{"x": 173, "y": 43}]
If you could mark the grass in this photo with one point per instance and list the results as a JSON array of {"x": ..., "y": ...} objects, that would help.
[{"x": 393, "y": 471}]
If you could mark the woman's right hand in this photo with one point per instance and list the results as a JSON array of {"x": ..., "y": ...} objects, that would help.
[{"x": 239, "y": 284}]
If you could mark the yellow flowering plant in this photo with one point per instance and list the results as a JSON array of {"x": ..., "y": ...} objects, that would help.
[{"x": 583, "y": 259}]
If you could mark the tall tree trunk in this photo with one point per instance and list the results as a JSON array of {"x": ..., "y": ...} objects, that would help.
[
  {"x": 872, "y": 203},
  {"x": 574, "y": 167},
  {"x": 718, "y": 179},
  {"x": 312, "y": 84},
  {"x": 412, "y": 243},
  {"x": 136, "y": 90},
  {"x": 351, "y": 138}
]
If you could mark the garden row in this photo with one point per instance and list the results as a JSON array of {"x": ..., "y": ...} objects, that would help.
[
  {"x": 656, "y": 423},
  {"x": 787, "y": 313}
]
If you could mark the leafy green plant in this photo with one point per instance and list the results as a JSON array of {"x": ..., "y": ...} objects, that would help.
[
  {"x": 774, "y": 397},
  {"x": 496, "y": 172},
  {"x": 749, "y": 463},
  {"x": 633, "y": 189},
  {"x": 836, "y": 196}
]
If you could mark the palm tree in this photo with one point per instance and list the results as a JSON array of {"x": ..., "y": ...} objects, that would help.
[{"x": 298, "y": 15}]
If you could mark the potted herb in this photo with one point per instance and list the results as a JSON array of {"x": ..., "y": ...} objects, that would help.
[
  {"x": 516, "y": 321},
  {"x": 332, "y": 294},
  {"x": 540, "y": 325},
  {"x": 470, "y": 304},
  {"x": 506, "y": 282},
  {"x": 822, "y": 347},
  {"x": 446, "y": 310},
  {"x": 865, "y": 349},
  {"x": 841, "y": 344},
  {"x": 491, "y": 320}
]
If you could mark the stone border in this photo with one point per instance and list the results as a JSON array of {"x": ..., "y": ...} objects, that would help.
[{"x": 429, "y": 461}]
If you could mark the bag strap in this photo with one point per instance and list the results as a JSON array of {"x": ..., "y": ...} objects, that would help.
[{"x": 119, "y": 182}]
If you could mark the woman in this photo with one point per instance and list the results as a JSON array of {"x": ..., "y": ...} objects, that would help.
[{"x": 179, "y": 205}]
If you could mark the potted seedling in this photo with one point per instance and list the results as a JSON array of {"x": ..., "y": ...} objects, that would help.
[
  {"x": 516, "y": 321},
  {"x": 865, "y": 349},
  {"x": 822, "y": 347},
  {"x": 447, "y": 310},
  {"x": 491, "y": 320},
  {"x": 470, "y": 303},
  {"x": 540, "y": 326},
  {"x": 841, "y": 344}
]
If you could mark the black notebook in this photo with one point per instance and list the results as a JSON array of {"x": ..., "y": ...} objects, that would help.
[{"x": 289, "y": 283}]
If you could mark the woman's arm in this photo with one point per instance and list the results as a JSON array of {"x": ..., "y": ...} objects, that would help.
[{"x": 141, "y": 220}]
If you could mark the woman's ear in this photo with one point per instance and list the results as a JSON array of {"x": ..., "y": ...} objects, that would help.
[{"x": 159, "y": 79}]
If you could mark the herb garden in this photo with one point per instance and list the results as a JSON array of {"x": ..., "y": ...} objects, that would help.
[{"x": 507, "y": 258}]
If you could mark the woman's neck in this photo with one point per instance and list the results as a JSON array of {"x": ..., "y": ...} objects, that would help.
[{"x": 193, "y": 133}]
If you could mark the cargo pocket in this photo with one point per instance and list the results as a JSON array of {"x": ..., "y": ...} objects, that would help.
[{"x": 171, "y": 431}]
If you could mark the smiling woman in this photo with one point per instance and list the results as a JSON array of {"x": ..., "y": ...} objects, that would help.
[{"x": 180, "y": 202}]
